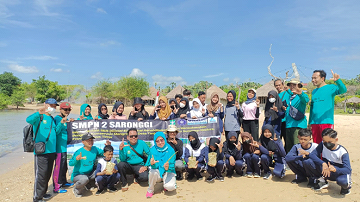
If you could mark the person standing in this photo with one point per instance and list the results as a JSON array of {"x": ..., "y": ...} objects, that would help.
[
  {"x": 202, "y": 98},
  {"x": 251, "y": 112},
  {"x": 281, "y": 89},
  {"x": 232, "y": 114},
  {"x": 322, "y": 102}
]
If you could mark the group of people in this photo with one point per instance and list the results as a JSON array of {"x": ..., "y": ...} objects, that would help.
[{"x": 242, "y": 152}]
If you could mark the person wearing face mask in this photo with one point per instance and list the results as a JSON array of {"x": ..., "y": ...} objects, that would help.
[
  {"x": 216, "y": 109},
  {"x": 138, "y": 113},
  {"x": 195, "y": 149},
  {"x": 117, "y": 111},
  {"x": 85, "y": 112},
  {"x": 184, "y": 109},
  {"x": 47, "y": 131},
  {"x": 215, "y": 170},
  {"x": 330, "y": 161},
  {"x": 274, "y": 112},
  {"x": 233, "y": 155}
]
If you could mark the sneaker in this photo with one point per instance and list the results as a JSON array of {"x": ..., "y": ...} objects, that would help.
[
  {"x": 210, "y": 179},
  {"x": 200, "y": 177},
  {"x": 77, "y": 195},
  {"x": 98, "y": 192},
  {"x": 267, "y": 176},
  {"x": 221, "y": 178},
  {"x": 67, "y": 185},
  {"x": 344, "y": 191},
  {"x": 60, "y": 191},
  {"x": 256, "y": 175},
  {"x": 125, "y": 188},
  {"x": 320, "y": 185},
  {"x": 149, "y": 195},
  {"x": 249, "y": 175},
  {"x": 298, "y": 181},
  {"x": 47, "y": 197},
  {"x": 112, "y": 189}
]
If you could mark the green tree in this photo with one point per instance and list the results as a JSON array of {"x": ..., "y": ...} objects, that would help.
[
  {"x": 104, "y": 90},
  {"x": 8, "y": 82},
  {"x": 48, "y": 89},
  {"x": 30, "y": 90},
  {"x": 18, "y": 97},
  {"x": 127, "y": 88},
  {"x": 4, "y": 101}
]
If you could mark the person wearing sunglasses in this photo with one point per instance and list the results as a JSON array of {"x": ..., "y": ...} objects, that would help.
[
  {"x": 60, "y": 168},
  {"x": 132, "y": 159}
]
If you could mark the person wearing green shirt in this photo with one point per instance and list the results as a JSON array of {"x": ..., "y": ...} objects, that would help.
[
  {"x": 295, "y": 98},
  {"x": 47, "y": 132},
  {"x": 322, "y": 102},
  {"x": 132, "y": 162}
]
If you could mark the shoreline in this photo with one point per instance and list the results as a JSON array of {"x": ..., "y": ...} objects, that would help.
[{"x": 7, "y": 162}]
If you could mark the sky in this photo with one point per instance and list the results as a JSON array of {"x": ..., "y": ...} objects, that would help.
[{"x": 223, "y": 42}]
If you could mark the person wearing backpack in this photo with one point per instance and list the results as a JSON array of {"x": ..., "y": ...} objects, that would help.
[{"x": 45, "y": 146}]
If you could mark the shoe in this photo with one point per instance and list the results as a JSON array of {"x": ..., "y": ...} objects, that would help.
[
  {"x": 179, "y": 176},
  {"x": 210, "y": 179},
  {"x": 112, "y": 189},
  {"x": 200, "y": 177},
  {"x": 229, "y": 175},
  {"x": 221, "y": 178},
  {"x": 77, "y": 195},
  {"x": 320, "y": 185},
  {"x": 60, "y": 191},
  {"x": 190, "y": 177},
  {"x": 67, "y": 185},
  {"x": 98, "y": 192},
  {"x": 249, "y": 175},
  {"x": 344, "y": 191},
  {"x": 256, "y": 175},
  {"x": 298, "y": 181},
  {"x": 125, "y": 188},
  {"x": 267, "y": 176},
  {"x": 149, "y": 195},
  {"x": 47, "y": 197}
]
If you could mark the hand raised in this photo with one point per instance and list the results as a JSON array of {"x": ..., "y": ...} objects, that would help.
[
  {"x": 255, "y": 144},
  {"x": 43, "y": 110},
  {"x": 152, "y": 160},
  {"x": 257, "y": 101},
  {"x": 122, "y": 145},
  {"x": 335, "y": 76},
  {"x": 80, "y": 157},
  {"x": 297, "y": 90},
  {"x": 64, "y": 120},
  {"x": 274, "y": 108},
  {"x": 238, "y": 146},
  {"x": 237, "y": 105}
]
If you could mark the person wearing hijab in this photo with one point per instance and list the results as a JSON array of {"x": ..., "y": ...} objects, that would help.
[
  {"x": 162, "y": 163},
  {"x": 233, "y": 155},
  {"x": 85, "y": 112},
  {"x": 274, "y": 112},
  {"x": 216, "y": 109},
  {"x": 102, "y": 111},
  {"x": 272, "y": 153},
  {"x": 138, "y": 113},
  {"x": 162, "y": 111},
  {"x": 197, "y": 111},
  {"x": 184, "y": 108},
  {"x": 232, "y": 114},
  {"x": 117, "y": 111},
  {"x": 215, "y": 170},
  {"x": 251, "y": 114},
  {"x": 251, "y": 155},
  {"x": 195, "y": 149}
]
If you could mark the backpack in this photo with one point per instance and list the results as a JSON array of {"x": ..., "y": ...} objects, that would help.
[{"x": 28, "y": 141}]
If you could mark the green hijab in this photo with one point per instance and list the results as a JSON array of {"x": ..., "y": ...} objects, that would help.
[{"x": 82, "y": 112}]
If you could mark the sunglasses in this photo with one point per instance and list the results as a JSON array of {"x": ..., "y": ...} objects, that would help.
[
  {"x": 133, "y": 136},
  {"x": 67, "y": 110},
  {"x": 160, "y": 141}
]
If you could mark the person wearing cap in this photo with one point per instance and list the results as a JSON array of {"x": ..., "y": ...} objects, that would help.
[
  {"x": 177, "y": 145},
  {"x": 138, "y": 113},
  {"x": 295, "y": 98},
  {"x": 83, "y": 161},
  {"x": 47, "y": 130},
  {"x": 322, "y": 102},
  {"x": 251, "y": 113},
  {"x": 281, "y": 89},
  {"x": 60, "y": 168}
]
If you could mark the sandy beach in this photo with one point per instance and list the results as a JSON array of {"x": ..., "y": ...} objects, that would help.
[{"x": 16, "y": 179}]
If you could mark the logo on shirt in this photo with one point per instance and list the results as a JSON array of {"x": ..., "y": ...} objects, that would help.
[
  {"x": 44, "y": 122},
  {"x": 128, "y": 151}
]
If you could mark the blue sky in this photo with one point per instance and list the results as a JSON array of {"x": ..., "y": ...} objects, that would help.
[{"x": 80, "y": 42}]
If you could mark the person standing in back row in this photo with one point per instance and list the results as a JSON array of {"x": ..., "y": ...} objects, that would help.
[
  {"x": 232, "y": 114},
  {"x": 251, "y": 112},
  {"x": 281, "y": 89},
  {"x": 322, "y": 102}
]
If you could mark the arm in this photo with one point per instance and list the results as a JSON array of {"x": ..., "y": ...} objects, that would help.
[
  {"x": 152, "y": 116},
  {"x": 131, "y": 117},
  {"x": 100, "y": 152},
  {"x": 222, "y": 114},
  {"x": 281, "y": 149},
  {"x": 73, "y": 160},
  {"x": 263, "y": 150},
  {"x": 98, "y": 169},
  {"x": 59, "y": 128},
  {"x": 122, "y": 155},
  {"x": 257, "y": 113},
  {"x": 293, "y": 155},
  {"x": 342, "y": 88},
  {"x": 221, "y": 156},
  {"x": 203, "y": 155},
  {"x": 179, "y": 148},
  {"x": 186, "y": 155},
  {"x": 315, "y": 155},
  {"x": 240, "y": 113},
  {"x": 171, "y": 161},
  {"x": 281, "y": 114},
  {"x": 346, "y": 169},
  {"x": 238, "y": 154},
  {"x": 226, "y": 151},
  {"x": 33, "y": 118},
  {"x": 304, "y": 98},
  {"x": 172, "y": 116},
  {"x": 146, "y": 117}
]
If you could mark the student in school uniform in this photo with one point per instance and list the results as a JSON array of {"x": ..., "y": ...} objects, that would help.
[
  {"x": 251, "y": 155},
  {"x": 274, "y": 112},
  {"x": 216, "y": 109},
  {"x": 162, "y": 111},
  {"x": 197, "y": 111},
  {"x": 138, "y": 113},
  {"x": 117, "y": 111},
  {"x": 251, "y": 110},
  {"x": 215, "y": 170},
  {"x": 233, "y": 154},
  {"x": 195, "y": 149},
  {"x": 330, "y": 161},
  {"x": 184, "y": 109},
  {"x": 298, "y": 154},
  {"x": 233, "y": 113}
]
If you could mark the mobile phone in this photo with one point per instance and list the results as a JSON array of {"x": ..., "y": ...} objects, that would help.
[
  {"x": 284, "y": 103},
  {"x": 172, "y": 107}
]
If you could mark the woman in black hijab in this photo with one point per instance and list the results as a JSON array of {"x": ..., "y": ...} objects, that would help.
[
  {"x": 233, "y": 114},
  {"x": 195, "y": 149},
  {"x": 183, "y": 109},
  {"x": 274, "y": 112},
  {"x": 233, "y": 155},
  {"x": 215, "y": 170},
  {"x": 102, "y": 111},
  {"x": 138, "y": 113}
]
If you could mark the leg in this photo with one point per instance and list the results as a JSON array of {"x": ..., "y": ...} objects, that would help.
[
  {"x": 291, "y": 138},
  {"x": 91, "y": 182},
  {"x": 124, "y": 168},
  {"x": 154, "y": 177},
  {"x": 169, "y": 181},
  {"x": 56, "y": 172},
  {"x": 265, "y": 163},
  {"x": 283, "y": 131},
  {"x": 255, "y": 162},
  {"x": 312, "y": 170},
  {"x": 211, "y": 171},
  {"x": 198, "y": 169},
  {"x": 113, "y": 179},
  {"x": 246, "y": 126},
  {"x": 298, "y": 168},
  {"x": 219, "y": 167},
  {"x": 254, "y": 127},
  {"x": 80, "y": 183},
  {"x": 43, "y": 166},
  {"x": 344, "y": 181},
  {"x": 191, "y": 172},
  {"x": 279, "y": 168},
  {"x": 179, "y": 168},
  {"x": 101, "y": 181},
  {"x": 63, "y": 169},
  {"x": 141, "y": 177},
  {"x": 239, "y": 166},
  {"x": 316, "y": 134},
  {"x": 247, "y": 158}
]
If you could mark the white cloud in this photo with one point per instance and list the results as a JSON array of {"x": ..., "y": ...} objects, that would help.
[
  {"x": 109, "y": 43},
  {"x": 61, "y": 64},
  {"x": 100, "y": 10},
  {"x": 137, "y": 73},
  {"x": 226, "y": 79},
  {"x": 97, "y": 75},
  {"x": 166, "y": 80},
  {"x": 42, "y": 57},
  {"x": 236, "y": 79},
  {"x": 23, "y": 69},
  {"x": 6, "y": 15},
  {"x": 43, "y": 7},
  {"x": 56, "y": 70},
  {"x": 214, "y": 75}
]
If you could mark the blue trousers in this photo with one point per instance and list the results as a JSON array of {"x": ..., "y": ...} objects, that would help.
[
  {"x": 298, "y": 168},
  {"x": 219, "y": 166},
  {"x": 315, "y": 171},
  {"x": 239, "y": 166},
  {"x": 108, "y": 181},
  {"x": 279, "y": 166},
  {"x": 253, "y": 163}
]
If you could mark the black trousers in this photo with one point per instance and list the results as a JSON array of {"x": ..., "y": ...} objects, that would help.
[
  {"x": 43, "y": 164},
  {"x": 252, "y": 127},
  {"x": 283, "y": 132},
  {"x": 124, "y": 168}
]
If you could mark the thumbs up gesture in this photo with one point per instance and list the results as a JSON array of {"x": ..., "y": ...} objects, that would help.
[
  {"x": 152, "y": 161},
  {"x": 79, "y": 157}
]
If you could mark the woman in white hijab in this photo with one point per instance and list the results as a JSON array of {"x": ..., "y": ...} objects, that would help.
[{"x": 197, "y": 110}]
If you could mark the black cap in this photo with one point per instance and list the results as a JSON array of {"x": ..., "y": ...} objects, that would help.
[{"x": 87, "y": 136}]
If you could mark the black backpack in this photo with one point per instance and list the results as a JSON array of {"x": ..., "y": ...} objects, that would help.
[{"x": 28, "y": 141}]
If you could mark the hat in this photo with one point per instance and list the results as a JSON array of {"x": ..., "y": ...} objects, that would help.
[
  {"x": 87, "y": 136},
  {"x": 138, "y": 100},
  {"x": 65, "y": 105},
  {"x": 172, "y": 128},
  {"x": 252, "y": 90},
  {"x": 51, "y": 101},
  {"x": 295, "y": 81}
]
